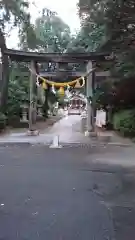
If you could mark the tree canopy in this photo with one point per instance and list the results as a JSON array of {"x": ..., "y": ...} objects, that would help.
[
  {"x": 13, "y": 14},
  {"x": 51, "y": 33},
  {"x": 116, "y": 19}
]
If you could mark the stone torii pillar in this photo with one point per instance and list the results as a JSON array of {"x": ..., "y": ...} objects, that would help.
[
  {"x": 32, "y": 107},
  {"x": 89, "y": 94}
]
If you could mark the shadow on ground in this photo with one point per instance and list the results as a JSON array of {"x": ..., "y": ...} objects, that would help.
[
  {"x": 87, "y": 190},
  {"x": 114, "y": 182}
]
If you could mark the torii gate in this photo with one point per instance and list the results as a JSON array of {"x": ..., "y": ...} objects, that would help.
[{"x": 33, "y": 57}]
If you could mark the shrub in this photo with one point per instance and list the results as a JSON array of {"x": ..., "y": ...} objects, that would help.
[
  {"x": 13, "y": 120},
  {"x": 3, "y": 121},
  {"x": 124, "y": 121}
]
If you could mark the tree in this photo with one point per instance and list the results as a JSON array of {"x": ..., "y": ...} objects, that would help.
[
  {"x": 121, "y": 36},
  {"x": 51, "y": 33},
  {"x": 117, "y": 19},
  {"x": 92, "y": 22},
  {"x": 18, "y": 90},
  {"x": 87, "y": 40},
  {"x": 13, "y": 13}
]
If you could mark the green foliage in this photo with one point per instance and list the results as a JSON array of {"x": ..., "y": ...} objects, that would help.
[
  {"x": 104, "y": 94},
  {"x": 13, "y": 12},
  {"x": 27, "y": 36},
  {"x": 124, "y": 121},
  {"x": 18, "y": 92},
  {"x": 87, "y": 40},
  {"x": 113, "y": 24},
  {"x": 92, "y": 23},
  {"x": 2, "y": 117},
  {"x": 3, "y": 120},
  {"x": 48, "y": 34}
]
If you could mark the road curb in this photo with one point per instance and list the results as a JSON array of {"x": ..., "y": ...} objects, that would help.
[
  {"x": 6, "y": 144},
  {"x": 66, "y": 145},
  {"x": 121, "y": 144}
]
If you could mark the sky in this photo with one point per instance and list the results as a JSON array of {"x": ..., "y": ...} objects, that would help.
[{"x": 67, "y": 10}]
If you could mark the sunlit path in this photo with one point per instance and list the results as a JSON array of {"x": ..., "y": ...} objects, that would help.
[{"x": 69, "y": 129}]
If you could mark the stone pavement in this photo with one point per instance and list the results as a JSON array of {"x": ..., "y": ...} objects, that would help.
[
  {"x": 66, "y": 128},
  {"x": 114, "y": 139}
]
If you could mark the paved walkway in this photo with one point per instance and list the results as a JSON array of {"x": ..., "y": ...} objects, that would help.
[
  {"x": 68, "y": 130},
  {"x": 114, "y": 138}
]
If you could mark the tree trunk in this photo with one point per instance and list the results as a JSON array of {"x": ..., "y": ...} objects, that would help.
[{"x": 5, "y": 75}]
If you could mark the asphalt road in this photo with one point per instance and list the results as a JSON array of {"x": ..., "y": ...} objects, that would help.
[{"x": 46, "y": 194}]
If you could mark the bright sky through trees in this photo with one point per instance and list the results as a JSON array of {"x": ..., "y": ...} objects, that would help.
[{"x": 67, "y": 10}]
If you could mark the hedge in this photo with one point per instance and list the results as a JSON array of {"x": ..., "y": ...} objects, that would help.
[{"x": 124, "y": 122}]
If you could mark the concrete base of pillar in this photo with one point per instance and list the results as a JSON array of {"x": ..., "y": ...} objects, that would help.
[
  {"x": 87, "y": 134},
  {"x": 90, "y": 134},
  {"x": 55, "y": 142},
  {"x": 32, "y": 133},
  {"x": 52, "y": 146}
]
